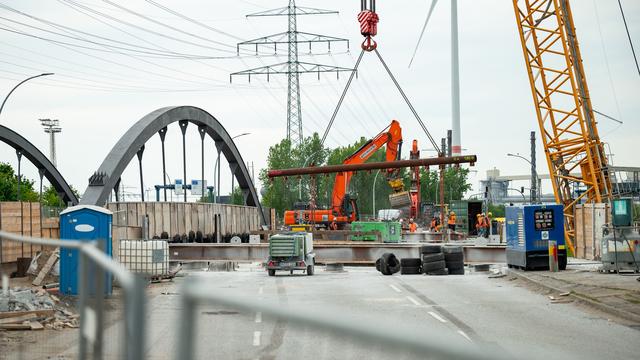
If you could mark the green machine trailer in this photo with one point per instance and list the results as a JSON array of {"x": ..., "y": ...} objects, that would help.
[
  {"x": 390, "y": 231},
  {"x": 291, "y": 251}
]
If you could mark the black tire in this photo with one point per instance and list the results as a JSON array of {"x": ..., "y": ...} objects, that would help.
[
  {"x": 272, "y": 272},
  {"x": 452, "y": 249},
  {"x": 430, "y": 249},
  {"x": 379, "y": 264},
  {"x": 410, "y": 270},
  {"x": 433, "y": 266},
  {"x": 390, "y": 264},
  {"x": 310, "y": 270},
  {"x": 439, "y": 272},
  {"x": 433, "y": 257},
  {"x": 453, "y": 257},
  {"x": 455, "y": 265},
  {"x": 456, "y": 271},
  {"x": 410, "y": 262},
  {"x": 390, "y": 259}
]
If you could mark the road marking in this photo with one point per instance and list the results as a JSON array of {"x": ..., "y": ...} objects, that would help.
[
  {"x": 259, "y": 317},
  {"x": 414, "y": 301},
  {"x": 437, "y": 317},
  {"x": 395, "y": 288},
  {"x": 256, "y": 338},
  {"x": 260, "y": 290},
  {"x": 464, "y": 335}
]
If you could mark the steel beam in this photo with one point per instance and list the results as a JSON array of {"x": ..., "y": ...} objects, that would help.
[
  {"x": 352, "y": 253},
  {"x": 470, "y": 159}
]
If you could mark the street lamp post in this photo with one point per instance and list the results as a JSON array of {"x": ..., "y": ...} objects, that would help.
[
  {"x": 373, "y": 192},
  {"x": 534, "y": 177},
  {"x": 20, "y": 83},
  {"x": 216, "y": 173},
  {"x": 233, "y": 176}
]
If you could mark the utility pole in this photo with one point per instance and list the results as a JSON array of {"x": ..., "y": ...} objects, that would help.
[
  {"x": 51, "y": 127},
  {"x": 534, "y": 173},
  {"x": 455, "y": 81},
  {"x": 293, "y": 67}
]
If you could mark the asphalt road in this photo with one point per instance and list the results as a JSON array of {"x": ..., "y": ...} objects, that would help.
[{"x": 497, "y": 314}]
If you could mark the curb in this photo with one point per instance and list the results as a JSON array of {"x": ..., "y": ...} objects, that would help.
[{"x": 598, "y": 305}]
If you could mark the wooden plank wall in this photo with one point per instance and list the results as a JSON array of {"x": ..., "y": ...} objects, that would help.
[
  {"x": 589, "y": 219},
  {"x": 180, "y": 218},
  {"x": 25, "y": 222}
]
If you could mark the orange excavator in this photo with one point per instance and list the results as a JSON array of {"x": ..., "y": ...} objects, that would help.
[{"x": 344, "y": 209}]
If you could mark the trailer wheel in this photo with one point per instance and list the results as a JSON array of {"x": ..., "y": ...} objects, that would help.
[
  {"x": 310, "y": 270},
  {"x": 272, "y": 272}
]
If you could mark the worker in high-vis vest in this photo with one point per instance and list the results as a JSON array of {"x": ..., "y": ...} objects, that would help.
[
  {"x": 451, "y": 223},
  {"x": 412, "y": 226}
]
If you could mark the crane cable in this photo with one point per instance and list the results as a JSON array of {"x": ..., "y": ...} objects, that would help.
[
  {"x": 368, "y": 27},
  {"x": 344, "y": 93},
  {"x": 624, "y": 19},
  {"x": 406, "y": 99}
]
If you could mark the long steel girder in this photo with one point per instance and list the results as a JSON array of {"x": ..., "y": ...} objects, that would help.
[
  {"x": 562, "y": 104},
  {"x": 352, "y": 253},
  {"x": 147, "y": 127},
  {"x": 38, "y": 159}
]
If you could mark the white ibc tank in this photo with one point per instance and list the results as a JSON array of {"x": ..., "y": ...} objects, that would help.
[{"x": 148, "y": 257}]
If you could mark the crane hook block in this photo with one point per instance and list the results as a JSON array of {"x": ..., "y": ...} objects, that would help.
[{"x": 368, "y": 28}]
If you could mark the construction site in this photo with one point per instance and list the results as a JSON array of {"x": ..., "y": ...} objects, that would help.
[{"x": 463, "y": 185}]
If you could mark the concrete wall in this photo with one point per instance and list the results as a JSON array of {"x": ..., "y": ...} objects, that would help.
[{"x": 180, "y": 218}]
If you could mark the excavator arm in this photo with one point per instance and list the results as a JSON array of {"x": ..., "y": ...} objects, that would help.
[{"x": 341, "y": 204}]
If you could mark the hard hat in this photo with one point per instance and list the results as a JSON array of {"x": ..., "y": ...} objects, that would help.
[
  {"x": 411, "y": 219},
  {"x": 335, "y": 218},
  {"x": 489, "y": 214},
  {"x": 478, "y": 215},
  {"x": 453, "y": 213}
]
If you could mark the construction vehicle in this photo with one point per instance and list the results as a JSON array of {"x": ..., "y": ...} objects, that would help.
[
  {"x": 563, "y": 107},
  {"x": 291, "y": 251},
  {"x": 344, "y": 209}
]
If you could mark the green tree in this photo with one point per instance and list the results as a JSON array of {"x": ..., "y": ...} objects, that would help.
[
  {"x": 9, "y": 185},
  {"x": 50, "y": 196},
  {"x": 497, "y": 210},
  {"x": 236, "y": 196},
  {"x": 280, "y": 193},
  {"x": 455, "y": 184}
]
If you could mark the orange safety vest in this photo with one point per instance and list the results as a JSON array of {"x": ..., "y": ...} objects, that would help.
[{"x": 413, "y": 227}]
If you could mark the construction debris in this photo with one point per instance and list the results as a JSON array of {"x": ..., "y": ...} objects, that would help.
[
  {"x": 34, "y": 309},
  {"x": 46, "y": 269}
]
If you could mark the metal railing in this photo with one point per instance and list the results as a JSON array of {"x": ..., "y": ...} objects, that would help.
[
  {"x": 428, "y": 343},
  {"x": 91, "y": 306}
]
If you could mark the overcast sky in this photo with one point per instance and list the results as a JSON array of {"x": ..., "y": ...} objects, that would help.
[{"x": 98, "y": 93}]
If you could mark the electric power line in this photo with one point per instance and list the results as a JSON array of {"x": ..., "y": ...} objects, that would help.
[{"x": 624, "y": 19}]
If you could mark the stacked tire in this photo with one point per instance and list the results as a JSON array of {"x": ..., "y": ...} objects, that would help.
[
  {"x": 410, "y": 266},
  {"x": 433, "y": 260},
  {"x": 454, "y": 259},
  {"x": 388, "y": 264}
]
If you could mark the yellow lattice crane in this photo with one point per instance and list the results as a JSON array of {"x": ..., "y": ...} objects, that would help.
[{"x": 574, "y": 153}]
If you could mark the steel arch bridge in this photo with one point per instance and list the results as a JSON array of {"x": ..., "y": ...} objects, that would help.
[
  {"x": 45, "y": 167},
  {"x": 107, "y": 177}
]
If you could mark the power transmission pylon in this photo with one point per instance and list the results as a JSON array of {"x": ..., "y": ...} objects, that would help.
[{"x": 292, "y": 68}]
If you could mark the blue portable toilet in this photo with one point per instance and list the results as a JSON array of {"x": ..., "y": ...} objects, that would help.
[
  {"x": 529, "y": 230},
  {"x": 82, "y": 223}
]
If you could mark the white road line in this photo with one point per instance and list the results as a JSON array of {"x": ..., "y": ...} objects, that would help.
[
  {"x": 258, "y": 317},
  {"x": 464, "y": 335},
  {"x": 414, "y": 301},
  {"x": 256, "y": 338},
  {"x": 260, "y": 290},
  {"x": 395, "y": 288},
  {"x": 437, "y": 317}
]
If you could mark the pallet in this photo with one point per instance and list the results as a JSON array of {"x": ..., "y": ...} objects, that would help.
[{"x": 46, "y": 269}]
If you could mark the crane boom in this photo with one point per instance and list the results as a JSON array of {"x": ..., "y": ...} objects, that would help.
[{"x": 563, "y": 107}]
